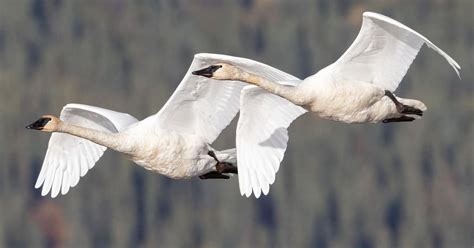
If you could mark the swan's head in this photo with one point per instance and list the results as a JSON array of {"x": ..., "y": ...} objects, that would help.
[
  {"x": 221, "y": 71},
  {"x": 47, "y": 123}
]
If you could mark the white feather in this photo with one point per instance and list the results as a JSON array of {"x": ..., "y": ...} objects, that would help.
[
  {"x": 382, "y": 53},
  {"x": 64, "y": 150}
]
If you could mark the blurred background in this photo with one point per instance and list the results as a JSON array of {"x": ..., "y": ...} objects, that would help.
[{"x": 340, "y": 185}]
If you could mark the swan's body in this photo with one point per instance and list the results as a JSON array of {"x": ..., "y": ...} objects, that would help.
[
  {"x": 357, "y": 88},
  {"x": 339, "y": 100},
  {"x": 173, "y": 154},
  {"x": 190, "y": 149},
  {"x": 175, "y": 141}
]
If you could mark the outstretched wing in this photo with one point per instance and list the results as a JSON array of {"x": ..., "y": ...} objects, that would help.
[
  {"x": 262, "y": 137},
  {"x": 205, "y": 106},
  {"x": 200, "y": 105},
  {"x": 382, "y": 53},
  {"x": 69, "y": 157}
]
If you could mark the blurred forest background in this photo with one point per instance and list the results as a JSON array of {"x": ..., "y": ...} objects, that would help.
[{"x": 340, "y": 185}]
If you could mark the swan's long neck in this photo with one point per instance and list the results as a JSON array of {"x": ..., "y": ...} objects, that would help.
[
  {"x": 287, "y": 92},
  {"x": 115, "y": 141}
]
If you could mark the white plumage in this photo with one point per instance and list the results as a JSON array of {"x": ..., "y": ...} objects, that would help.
[
  {"x": 355, "y": 89},
  {"x": 68, "y": 157},
  {"x": 382, "y": 53},
  {"x": 262, "y": 137},
  {"x": 174, "y": 142}
]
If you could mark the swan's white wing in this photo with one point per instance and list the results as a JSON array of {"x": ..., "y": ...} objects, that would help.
[
  {"x": 200, "y": 105},
  {"x": 205, "y": 106},
  {"x": 262, "y": 138},
  {"x": 382, "y": 53},
  {"x": 261, "y": 135},
  {"x": 68, "y": 157}
]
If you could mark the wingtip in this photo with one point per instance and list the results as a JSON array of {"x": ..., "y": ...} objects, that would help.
[
  {"x": 368, "y": 13},
  {"x": 242, "y": 193},
  {"x": 248, "y": 193},
  {"x": 65, "y": 191},
  {"x": 374, "y": 14},
  {"x": 266, "y": 190},
  {"x": 458, "y": 73},
  {"x": 38, "y": 184},
  {"x": 454, "y": 64},
  {"x": 456, "y": 67},
  {"x": 220, "y": 57},
  {"x": 44, "y": 192},
  {"x": 47, "y": 192},
  {"x": 257, "y": 193},
  {"x": 200, "y": 55}
]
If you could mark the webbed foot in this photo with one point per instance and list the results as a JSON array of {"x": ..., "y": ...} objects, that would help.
[
  {"x": 214, "y": 175},
  {"x": 224, "y": 167},
  {"x": 399, "y": 119},
  {"x": 402, "y": 108}
]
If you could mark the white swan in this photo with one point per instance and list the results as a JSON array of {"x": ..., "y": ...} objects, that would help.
[
  {"x": 174, "y": 142},
  {"x": 357, "y": 88}
]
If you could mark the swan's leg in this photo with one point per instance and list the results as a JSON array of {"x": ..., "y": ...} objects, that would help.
[
  {"x": 223, "y": 167},
  {"x": 214, "y": 175},
  {"x": 402, "y": 108},
  {"x": 404, "y": 118},
  {"x": 212, "y": 154}
]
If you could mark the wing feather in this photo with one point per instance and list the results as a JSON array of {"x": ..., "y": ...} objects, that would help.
[
  {"x": 66, "y": 181},
  {"x": 76, "y": 170},
  {"x": 68, "y": 157},
  {"x": 58, "y": 177},
  {"x": 382, "y": 53},
  {"x": 200, "y": 105},
  {"x": 204, "y": 107},
  {"x": 48, "y": 182},
  {"x": 262, "y": 134},
  {"x": 43, "y": 171}
]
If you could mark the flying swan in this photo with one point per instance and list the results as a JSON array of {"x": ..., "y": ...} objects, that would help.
[
  {"x": 174, "y": 142},
  {"x": 357, "y": 88}
]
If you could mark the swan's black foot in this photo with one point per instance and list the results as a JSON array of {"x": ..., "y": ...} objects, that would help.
[
  {"x": 402, "y": 108},
  {"x": 214, "y": 175},
  {"x": 409, "y": 110},
  {"x": 223, "y": 167},
  {"x": 399, "y": 119}
]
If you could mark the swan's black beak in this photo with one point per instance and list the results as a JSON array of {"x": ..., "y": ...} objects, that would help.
[
  {"x": 39, "y": 124},
  {"x": 208, "y": 71}
]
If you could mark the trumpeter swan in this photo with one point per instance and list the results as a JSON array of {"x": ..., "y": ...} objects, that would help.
[
  {"x": 174, "y": 142},
  {"x": 357, "y": 88}
]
